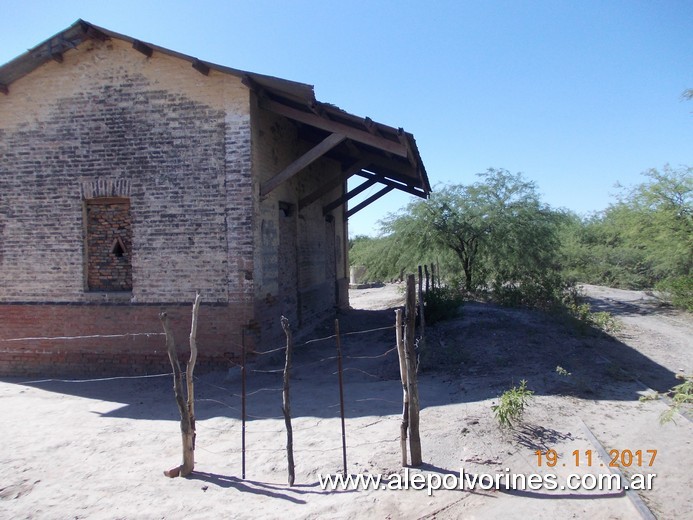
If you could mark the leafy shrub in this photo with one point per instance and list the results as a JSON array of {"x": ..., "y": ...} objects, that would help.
[
  {"x": 541, "y": 292},
  {"x": 512, "y": 404},
  {"x": 442, "y": 303},
  {"x": 583, "y": 317},
  {"x": 679, "y": 290},
  {"x": 680, "y": 395}
]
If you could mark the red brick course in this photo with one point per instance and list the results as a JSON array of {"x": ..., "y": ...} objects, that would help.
[{"x": 218, "y": 338}]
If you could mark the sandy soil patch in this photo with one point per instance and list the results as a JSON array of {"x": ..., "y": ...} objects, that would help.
[{"x": 98, "y": 449}]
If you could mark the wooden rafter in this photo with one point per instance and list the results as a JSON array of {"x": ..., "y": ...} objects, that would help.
[
  {"x": 393, "y": 169},
  {"x": 331, "y": 184},
  {"x": 361, "y": 136},
  {"x": 405, "y": 142},
  {"x": 302, "y": 162},
  {"x": 92, "y": 32},
  {"x": 388, "y": 182},
  {"x": 348, "y": 196},
  {"x": 200, "y": 67},
  {"x": 143, "y": 48},
  {"x": 369, "y": 200}
]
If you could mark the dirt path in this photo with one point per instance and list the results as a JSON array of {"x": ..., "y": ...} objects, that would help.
[{"x": 658, "y": 331}]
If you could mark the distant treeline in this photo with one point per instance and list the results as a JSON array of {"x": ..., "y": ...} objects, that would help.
[{"x": 496, "y": 235}]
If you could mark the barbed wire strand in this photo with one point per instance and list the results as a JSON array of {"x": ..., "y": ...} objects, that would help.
[
  {"x": 359, "y": 370},
  {"x": 372, "y": 357},
  {"x": 115, "y": 378},
  {"x": 92, "y": 336}
]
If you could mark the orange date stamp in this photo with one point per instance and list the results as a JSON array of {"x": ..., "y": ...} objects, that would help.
[{"x": 589, "y": 459}]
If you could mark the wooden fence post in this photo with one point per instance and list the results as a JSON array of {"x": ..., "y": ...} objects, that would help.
[
  {"x": 341, "y": 394},
  {"x": 405, "y": 389},
  {"x": 186, "y": 409},
  {"x": 409, "y": 343},
  {"x": 286, "y": 403},
  {"x": 243, "y": 401}
]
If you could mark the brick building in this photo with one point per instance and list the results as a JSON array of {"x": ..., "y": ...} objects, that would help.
[{"x": 132, "y": 176}]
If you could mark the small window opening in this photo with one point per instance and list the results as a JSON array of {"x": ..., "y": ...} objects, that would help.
[
  {"x": 108, "y": 244},
  {"x": 118, "y": 249}
]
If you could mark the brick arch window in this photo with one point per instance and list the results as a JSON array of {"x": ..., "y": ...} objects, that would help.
[{"x": 108, "y": 244}]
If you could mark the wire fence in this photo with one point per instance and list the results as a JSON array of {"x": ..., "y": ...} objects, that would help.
[{"x": 227, "y": 397}]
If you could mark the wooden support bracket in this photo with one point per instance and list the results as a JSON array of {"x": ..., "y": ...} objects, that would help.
[
  {"x": 369, "y": 200},
  {"x": 302, "y": 162}
]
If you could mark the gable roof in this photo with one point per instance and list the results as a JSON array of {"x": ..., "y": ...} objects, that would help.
[{"x": 375, "y": 151}]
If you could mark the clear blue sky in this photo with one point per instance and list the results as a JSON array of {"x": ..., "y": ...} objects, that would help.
[{"x": 577, "y": 95}]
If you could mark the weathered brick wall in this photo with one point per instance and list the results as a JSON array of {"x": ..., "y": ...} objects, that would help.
[
  {"x": 297, "y": 258},
  {"x": 110, "y": 122},
  {"x": 218, "y": 338},
  {"x": 109, "y": 114}
]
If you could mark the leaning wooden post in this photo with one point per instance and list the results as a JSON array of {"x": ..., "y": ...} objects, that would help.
[
  {"x": 427, "y": 280},
  {"x": 341, "y": 394},
  {"x": 286, "y": 404},
  {"x": 186, "y": 409},
  {"x": 405, "y": 390},
  {"x": 409, "y": 341},
  {"x": 191, "y": 368}
]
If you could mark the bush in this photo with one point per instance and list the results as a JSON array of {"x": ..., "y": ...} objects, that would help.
[
  {"x": 681, "y": 395},
  {"x": 442, "y": 303},
  {"x": 542, "y": 292},
  {"x": 512, "y": 404},
  {"x": 679, "y": 291}
]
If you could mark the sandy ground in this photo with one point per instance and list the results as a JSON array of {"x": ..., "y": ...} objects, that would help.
[{"x": 98, "y": 449}]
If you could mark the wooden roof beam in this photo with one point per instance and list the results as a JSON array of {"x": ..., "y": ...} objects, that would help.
[
  {"x": 143, "y": 48},
  {"x": 200, "y": 67},
  {"x": 384, "y": 180},
  {"x": 405, "y": 142},
  {"x": 253, "y": 85},
  {"x": 332, "y": 183},
  {"x": 372, "y": 128},
  {"x": 302, "y": 162},
  {"x": 369, "y": 200},
  {"x": 93, "y": 32},
  {"x": 348, "y": 196},
  {"x": 361, "y": 136}
]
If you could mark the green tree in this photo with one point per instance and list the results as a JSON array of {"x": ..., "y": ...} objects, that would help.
[
  {"x": 497, "y": 230},
  {"x": 657, "y": 217},
  {"x": 643, "y": 240}
]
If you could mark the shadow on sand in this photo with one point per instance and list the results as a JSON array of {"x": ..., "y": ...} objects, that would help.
[{"x": 485, "y": 351}]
